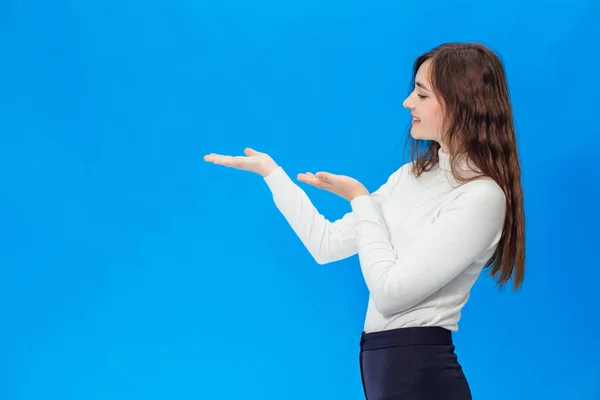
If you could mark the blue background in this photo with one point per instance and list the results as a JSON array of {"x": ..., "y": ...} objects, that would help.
[{"x": 132, "y": 269}]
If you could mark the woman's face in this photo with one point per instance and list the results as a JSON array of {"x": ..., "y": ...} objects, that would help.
[{"x": 427, "y": 122}]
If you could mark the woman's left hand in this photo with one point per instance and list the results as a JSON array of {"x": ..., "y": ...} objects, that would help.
[{"x": 344, "y": 186}]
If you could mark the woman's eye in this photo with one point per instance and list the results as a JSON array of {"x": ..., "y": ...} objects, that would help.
[{"x": 421, "y": 96}]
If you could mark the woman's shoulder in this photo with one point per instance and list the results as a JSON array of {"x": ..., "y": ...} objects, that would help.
[{"x": 481, "y": 192}]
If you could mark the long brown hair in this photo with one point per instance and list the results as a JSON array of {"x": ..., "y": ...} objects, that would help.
[{"x": 470, "y": 82}]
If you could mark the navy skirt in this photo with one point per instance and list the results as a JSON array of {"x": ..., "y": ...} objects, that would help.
[{"x": 411, "y": 364}]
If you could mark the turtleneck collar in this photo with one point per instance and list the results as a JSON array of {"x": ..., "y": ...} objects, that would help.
[
  {"x": 465, "y": 168},
  {"x": 444, "y": 160}
]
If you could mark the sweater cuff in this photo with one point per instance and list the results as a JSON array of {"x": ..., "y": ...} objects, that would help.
[
  {"x": 276, "y": 178},
  {"x": 364, "y": 208}
]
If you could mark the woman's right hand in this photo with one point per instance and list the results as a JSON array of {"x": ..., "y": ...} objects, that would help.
[{"x": 257, "y": 162}]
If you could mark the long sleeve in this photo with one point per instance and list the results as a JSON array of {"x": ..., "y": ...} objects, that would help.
[
  {"x": 326, "y": 241},
  {"x": 465, "y": 230}
]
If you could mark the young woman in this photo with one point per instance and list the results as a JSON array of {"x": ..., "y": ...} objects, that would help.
[{"x": 425, "y": 235}]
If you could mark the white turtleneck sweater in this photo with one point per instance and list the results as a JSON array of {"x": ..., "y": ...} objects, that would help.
[{"x": 421, "y": 242}]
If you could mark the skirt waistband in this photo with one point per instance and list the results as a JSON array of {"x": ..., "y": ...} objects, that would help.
[{"x": 413, "y": 336}]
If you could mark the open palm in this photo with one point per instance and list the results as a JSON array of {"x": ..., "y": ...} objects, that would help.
[
  {"x": 342, "y": 185},
  {"x": 254, "y": 161}
]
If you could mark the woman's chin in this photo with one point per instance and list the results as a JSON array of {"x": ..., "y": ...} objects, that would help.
[
  {"x": 414, "y": 134},
  {"x": 417, "y": 134}
]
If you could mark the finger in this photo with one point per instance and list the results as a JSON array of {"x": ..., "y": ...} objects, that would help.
[
  {"x": 324, "y": 176},
  {"x": 305, "y": 178},
  {"x": 309, "y": 178},
  {"x": 228, "y": 161},
  {"x": 312, "y": 177},
  {"x": 250, "y": 152},
  {"x": 211, "y": 157}
]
